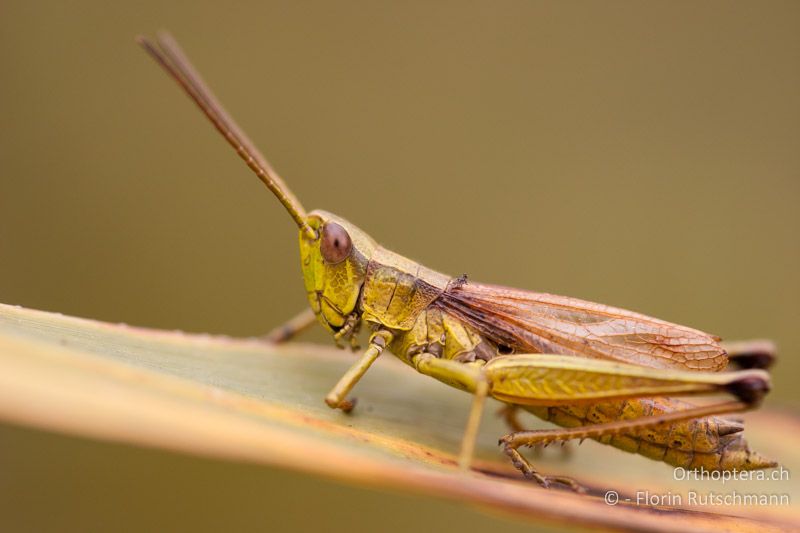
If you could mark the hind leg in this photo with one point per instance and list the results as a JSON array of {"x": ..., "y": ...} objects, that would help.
[{"x": 510, "y": 414}]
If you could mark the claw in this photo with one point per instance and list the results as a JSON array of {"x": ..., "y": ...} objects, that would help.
[
  {"x": 541, "y": 480},
  {"x": 348, "y": 405},
  {"x": 569, "y": 483}
]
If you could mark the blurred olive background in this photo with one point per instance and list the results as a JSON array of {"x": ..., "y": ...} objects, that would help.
[{"x": 641, "y": 154}]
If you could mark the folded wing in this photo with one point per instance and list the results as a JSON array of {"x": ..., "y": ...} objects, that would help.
[{"x": 530, "y": 322}]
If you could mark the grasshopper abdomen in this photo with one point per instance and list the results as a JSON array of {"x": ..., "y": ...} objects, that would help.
[{"x": 711, "y": 443}]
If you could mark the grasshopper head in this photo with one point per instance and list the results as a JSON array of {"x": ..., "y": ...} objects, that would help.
[{"x": 334, "y": 266}]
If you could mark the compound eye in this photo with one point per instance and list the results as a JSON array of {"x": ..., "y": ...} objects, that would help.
[{"x": 336, "y": 244}]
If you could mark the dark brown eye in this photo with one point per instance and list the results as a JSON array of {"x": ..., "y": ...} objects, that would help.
[{"x": 336, "y": 243}]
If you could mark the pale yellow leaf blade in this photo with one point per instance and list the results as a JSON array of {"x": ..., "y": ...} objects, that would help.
[{"x": 249, "y": 401}]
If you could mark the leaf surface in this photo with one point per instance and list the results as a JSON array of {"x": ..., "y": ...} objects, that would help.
[{"x": 248, "y": 401}]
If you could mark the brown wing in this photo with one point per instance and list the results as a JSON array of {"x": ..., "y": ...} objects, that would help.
[{"x": 531, "y": 322}]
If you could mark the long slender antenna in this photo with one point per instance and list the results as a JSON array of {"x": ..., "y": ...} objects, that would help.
[{"x": 168, "y": 54}]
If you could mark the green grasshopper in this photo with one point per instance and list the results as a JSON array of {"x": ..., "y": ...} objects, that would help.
[{"x": 597, "y": 371}]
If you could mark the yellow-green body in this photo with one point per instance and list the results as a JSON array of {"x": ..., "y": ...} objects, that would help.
[{"x": 389, "y": 291}]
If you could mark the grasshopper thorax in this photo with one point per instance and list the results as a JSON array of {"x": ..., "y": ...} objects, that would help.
[{"x": 334, "y": 265}]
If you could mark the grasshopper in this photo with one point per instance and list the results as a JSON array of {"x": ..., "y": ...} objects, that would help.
[{"x": 597, "y": 371}]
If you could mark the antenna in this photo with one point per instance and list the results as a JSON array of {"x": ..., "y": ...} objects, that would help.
[{"x": 166, "y": 52}]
